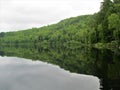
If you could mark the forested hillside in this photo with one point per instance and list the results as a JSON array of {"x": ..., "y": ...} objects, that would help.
[
  {"x": 71, "y": 30},
  {"x": 101, "y": 29},
  {"x": 107, "y": 25}
]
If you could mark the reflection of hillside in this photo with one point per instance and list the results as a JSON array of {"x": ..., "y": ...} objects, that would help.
[
  {"x": 101, "y": 63},
  {"x": 73, "y": 60}
]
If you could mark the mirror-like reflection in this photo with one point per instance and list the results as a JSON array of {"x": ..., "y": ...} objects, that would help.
[
  {"x": 22, "y": 74},
  {"x": 104, "y": 64}
]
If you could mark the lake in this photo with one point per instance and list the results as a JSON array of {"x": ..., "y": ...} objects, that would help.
[
  {"x": 23, "y": 68},
  {"x": 24, "y": 74}
]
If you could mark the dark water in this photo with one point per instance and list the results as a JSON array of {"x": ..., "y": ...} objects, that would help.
[{"x": 68, "y": 69}]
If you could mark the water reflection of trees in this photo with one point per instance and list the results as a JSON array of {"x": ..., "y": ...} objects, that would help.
[{"x": 104, "y": 64}]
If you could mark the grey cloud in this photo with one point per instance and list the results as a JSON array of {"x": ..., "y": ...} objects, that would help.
[{"x": 21, "y": 14}]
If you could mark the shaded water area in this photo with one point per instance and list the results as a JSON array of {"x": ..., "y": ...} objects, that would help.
[{"x": 53, "y": 68}]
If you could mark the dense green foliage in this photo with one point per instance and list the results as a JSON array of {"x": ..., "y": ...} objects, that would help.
[
  {"x": 65, "y": 32},
  {"x": 101, "y": 28},
  {"x": 107, "y": 26},
  {"x": 62, "y": 43}
]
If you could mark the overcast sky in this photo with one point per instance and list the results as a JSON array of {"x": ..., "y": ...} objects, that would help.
[{"x": 23, "y": 14}]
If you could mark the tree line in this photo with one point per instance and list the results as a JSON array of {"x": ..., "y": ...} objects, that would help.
[{"x": 101, "y": 28}]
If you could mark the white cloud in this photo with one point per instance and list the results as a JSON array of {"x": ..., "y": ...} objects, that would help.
[{"x": 23, "y": 14}]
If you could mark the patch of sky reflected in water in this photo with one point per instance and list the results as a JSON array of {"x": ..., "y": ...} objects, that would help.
[{"x": 24, "y": 74}]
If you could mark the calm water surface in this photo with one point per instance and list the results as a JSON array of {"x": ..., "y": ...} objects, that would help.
[
  {"x": 55, "y": 68},
  {"x": 24, "y": 74}
]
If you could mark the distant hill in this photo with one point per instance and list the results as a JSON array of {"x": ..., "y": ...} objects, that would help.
[
  {"x": 101, "y": 30},
  {"x": 70, "y": 30}
]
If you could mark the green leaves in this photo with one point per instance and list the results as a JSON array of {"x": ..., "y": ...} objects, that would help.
[
  {"x": 113, "y": 21},
  {"x": 66, "y": 32},
  {"x": 103, "y": 27}
]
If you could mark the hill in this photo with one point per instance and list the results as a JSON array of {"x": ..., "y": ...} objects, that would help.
[
  {"x": 70, "y": 30},
  {"x": 100, "y": 30}
]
